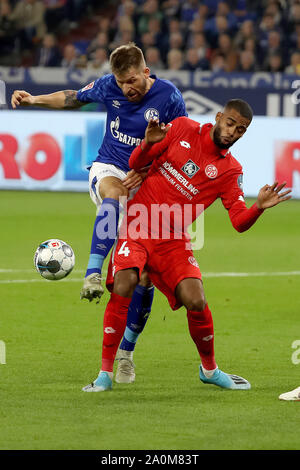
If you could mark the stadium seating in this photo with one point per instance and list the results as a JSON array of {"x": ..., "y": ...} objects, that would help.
[{"x": 217, "y": 35}]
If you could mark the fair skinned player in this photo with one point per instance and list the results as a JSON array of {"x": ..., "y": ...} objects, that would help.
[
  {"x": 132, "y": 97},
  {"x": 215, "y": 173}
]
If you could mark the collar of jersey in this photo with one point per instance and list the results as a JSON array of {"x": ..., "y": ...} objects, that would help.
[{"x": 210, "y": 146}]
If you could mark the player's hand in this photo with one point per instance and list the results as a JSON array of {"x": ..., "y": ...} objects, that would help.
[
  {"x": 132, "y": 180},
  {"x": 21, "y": 98},
  {"x": 155, "y": 131},
  {"x": 270, "y": 196},
  {"x": 143, "y": 173}
]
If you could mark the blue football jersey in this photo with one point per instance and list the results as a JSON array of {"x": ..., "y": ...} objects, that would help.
[{"x": 127, "y": 121}]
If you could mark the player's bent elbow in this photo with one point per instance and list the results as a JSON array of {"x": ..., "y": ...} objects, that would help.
[{"x": 240, "y": 228}]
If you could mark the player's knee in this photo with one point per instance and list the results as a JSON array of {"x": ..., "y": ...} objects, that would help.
[
  {"x": 196, "y": 304},
  {"x": 145, "y": 280},
  {"x": 125, "y": 282}
]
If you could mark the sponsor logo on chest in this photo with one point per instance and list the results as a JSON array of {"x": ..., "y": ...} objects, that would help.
[
  {"x": 190, "y": 168},
  {"x": 180, "y": 178},
  {"x": 120, "y": 136}
]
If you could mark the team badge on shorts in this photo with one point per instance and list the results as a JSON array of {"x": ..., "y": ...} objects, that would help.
[
  {"x": 193, "y": 261},
  {"x": 211, "y": 171},
  {"x": 151, "y": 113},
  {"x": 190, "y": 168}
]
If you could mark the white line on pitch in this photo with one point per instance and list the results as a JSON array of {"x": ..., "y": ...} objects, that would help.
[
  {"x": 205, "y": 275},
  {"x": 28, "y": 270},
  {"x": 20, "y": 281},
  {"x": 255, "y": 274}
]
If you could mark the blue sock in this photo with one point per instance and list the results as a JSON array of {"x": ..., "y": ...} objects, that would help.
[
  {"x": 104, "y": 235},
  {"x": 138, "y": 314}
]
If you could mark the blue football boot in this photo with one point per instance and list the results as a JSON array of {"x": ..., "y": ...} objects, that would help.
[
  {"x": 103, "y": 383},
  {"x": 230, "y": 381}
]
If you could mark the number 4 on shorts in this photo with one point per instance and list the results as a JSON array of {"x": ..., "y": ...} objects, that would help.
[{"x": 124, "y": 250}]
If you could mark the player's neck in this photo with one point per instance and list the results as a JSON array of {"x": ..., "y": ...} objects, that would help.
[{"x": 150, "y": 82}]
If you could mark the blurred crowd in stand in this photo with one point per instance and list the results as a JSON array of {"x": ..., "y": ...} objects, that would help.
[{"x": 215, "y": 35}]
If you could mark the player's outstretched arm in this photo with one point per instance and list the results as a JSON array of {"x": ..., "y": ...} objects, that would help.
[
  {"x": 65, "y": 99},
  {"x": 270, "y": 196},
  {"x": 242, "y": 218}
]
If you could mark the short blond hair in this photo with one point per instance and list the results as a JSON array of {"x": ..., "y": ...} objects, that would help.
[{"x": 125, "y": 57}]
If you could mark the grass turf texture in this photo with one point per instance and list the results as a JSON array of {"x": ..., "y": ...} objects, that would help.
[{"x": 52, "y": 341}]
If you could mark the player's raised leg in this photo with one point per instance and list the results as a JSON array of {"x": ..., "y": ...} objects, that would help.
[
  {"x": 105, "y": 232},
  {"x": 114, "y": 323},
  {"x": 190, "y": 293}
]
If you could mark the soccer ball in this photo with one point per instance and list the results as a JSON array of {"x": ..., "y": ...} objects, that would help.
[{"x": 54, "y": 259}]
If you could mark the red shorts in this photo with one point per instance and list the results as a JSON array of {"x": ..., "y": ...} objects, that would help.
[{"x": 166, "y": 261}]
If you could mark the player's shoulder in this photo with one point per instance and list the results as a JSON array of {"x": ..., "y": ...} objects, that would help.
[
  {"x": 107, "y": 79},
  {"x": 185, "y": 122},
  {"x": 103, "y": 84},
  {"x": 100, "y": 83},
  {"x": 178, "y": 124},
  {"x": 233, "y": 163},
  {"x": 166, "y": 84},
  {"x": 168, "y": 88}
]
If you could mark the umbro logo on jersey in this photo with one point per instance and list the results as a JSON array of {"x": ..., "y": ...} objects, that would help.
[
  {"x": 190, "y": 168},
  {"x": 116, "y": 104},
  {"x": 101, "y": 246}
]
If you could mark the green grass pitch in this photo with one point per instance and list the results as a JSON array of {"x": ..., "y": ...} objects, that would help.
[{"x": 53, "y": 340}]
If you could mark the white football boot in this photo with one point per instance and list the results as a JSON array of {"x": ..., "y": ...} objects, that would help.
[
  {"x": 294, "y": 395},
  {"x": 92, "y": 287},
  {"x": 125, "y": 372}
]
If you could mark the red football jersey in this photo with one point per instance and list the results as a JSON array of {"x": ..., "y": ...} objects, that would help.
[{"x": 189, "y": 169}]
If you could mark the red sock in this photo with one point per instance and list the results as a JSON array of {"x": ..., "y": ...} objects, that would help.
[
  {"x": 114, "y": 323},
  {"x": 202, "y": 332}
]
